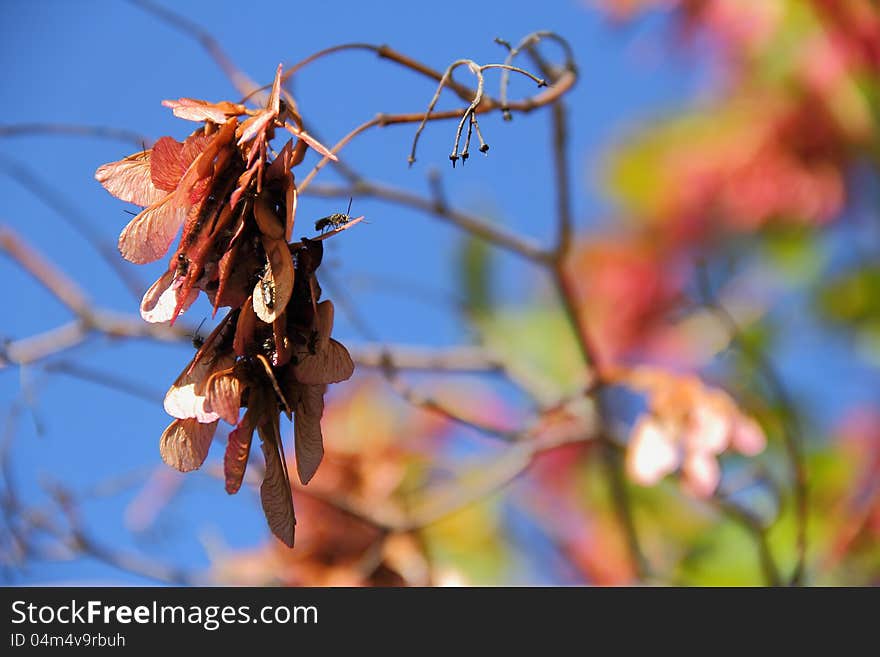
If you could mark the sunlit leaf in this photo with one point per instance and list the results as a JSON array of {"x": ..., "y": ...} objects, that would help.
[
  {"x": 192, "y": 109},
  {"x": 130, "y": 179},
  {"x": 164, "y": 297},
  {"x": 186, "y": 397},
  {"x": 223, "y": 395},
  {"x": 185, "y": 443},
  {"x": 148, "y": 236}
]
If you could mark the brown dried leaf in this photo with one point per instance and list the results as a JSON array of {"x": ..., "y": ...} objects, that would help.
[
  {"x": 226, "y": 294},
  {"x": 129, "y": 180},
  {"x": 192, "y": 109},
  {"x": 172, "y": 159},
  {"x": 280, "y": 166},
  {"x": 299, "y": 153},
  {"x": 325, "y": 323},
  {"x": 238, "y": 448},
  {"x": 311, "y": 141},
  {"x": 275, "y": 490},
  {"x": 187, "y": 395},
  {"x": 216, "y": 344},
  {"x": 263, "y": 120},
  {"x": 267, "y": 221},
  {"x": 223, "y": 396},
  {"x": 308, "y": 442},
  {"x": 245, "y": 328},
  {"x": 167, "y": 167},
  {"x": 185, "y": 443},
  {"x": 290, "y": 200},
  {"x": 238, "y": 451},
  {"x": 311, "y": 399},
  {"x": 255, "y": 125},
  {"x": 275, "y": 386},
  {"x": 283, "y": 345},
  {"x": 273, "y": 290},
  {"x": 329, "y": 365},
  {"x": 244, "y": 180},
  {"x": 147, "y": 237},
  {"x": 273, "y": 104}
]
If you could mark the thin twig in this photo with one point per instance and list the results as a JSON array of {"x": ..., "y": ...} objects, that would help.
[
  {"x": 433, "y": 359},
  {"x": 437, "y": 502},
  {"x": 447, "y": 75},
  {"x": 567, "y": 291},
  {"x": 89, "y": 320},
  {"x": 384, "y": 52},
  {"x": 75, "y": 219},
  {"x": 529, "y": 42},
  {"x": 561, "y": 87},
  {"x": 103, "y": 132},
  {"x": 53, "y": 279},
  {"x": 106, "y": 379},
  {"x": 243, "y": 84},
  {"x": 389, "y": 371},
  {"x": 471, "y": 224}
]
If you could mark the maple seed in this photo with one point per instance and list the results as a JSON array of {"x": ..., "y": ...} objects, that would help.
[{"x": 232, "y": 200}]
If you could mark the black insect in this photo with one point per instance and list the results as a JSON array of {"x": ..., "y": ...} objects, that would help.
[
  {"x": 267, "y": 288},
  {"x": 182, "y": 264},
  {"x": 334, "y": 220},
  {"x": 197, "y": 340}
]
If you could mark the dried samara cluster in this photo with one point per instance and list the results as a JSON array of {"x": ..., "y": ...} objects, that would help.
[{"x": 235, "y": 199}]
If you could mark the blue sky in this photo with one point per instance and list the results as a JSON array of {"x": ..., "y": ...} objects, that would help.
[{"x": 108, "y": 63}]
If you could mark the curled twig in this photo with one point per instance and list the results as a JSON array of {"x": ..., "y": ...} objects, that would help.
[
  {"x": 469, "y": 114},
  {"x": 528, "y": 42}
]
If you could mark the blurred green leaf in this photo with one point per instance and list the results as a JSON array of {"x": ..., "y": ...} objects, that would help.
[
  {"x": 536, "y": 339},
  {"x": 756, "y": 337},
  {"x": 635, "y": 170},
  {"x": 794, "y": 250},
  {"x": 474, "y": 269},
  {"x": 852, "y": 298},
  {"x": 724, "y": 555}
]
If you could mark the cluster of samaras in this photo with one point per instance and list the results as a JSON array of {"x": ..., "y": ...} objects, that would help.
[{"x": 273, "y": 352}]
